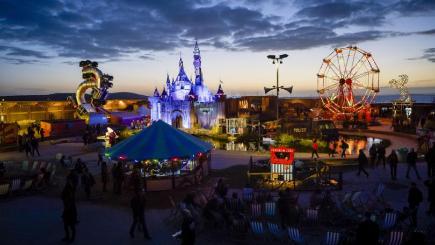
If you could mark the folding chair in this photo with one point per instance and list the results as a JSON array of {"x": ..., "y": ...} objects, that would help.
[
  {"x": 312, "y": 215},
  {"x": 255, "y": 210},
  {"x": 275, "y": 231},
  {"x": 270, "y": 209},
  {"x": 27, "y": 184},
  {"x": 257, "y": 229},
  {"x": 25, "y": 165},
  {"x": 15, "y": 184},
  {"x": 295, "y": 235},
  {"x": 389, "y": 221},
  {"x": 332, "y": 238},
  {"x": 4, "y": 189},
  {"x": 396, "y": 238}
]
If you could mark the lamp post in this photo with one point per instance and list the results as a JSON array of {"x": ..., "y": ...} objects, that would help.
[{"x": 277, "y": 60}]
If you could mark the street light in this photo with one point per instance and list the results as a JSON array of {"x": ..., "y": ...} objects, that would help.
[{"x": 277, "y": 60}]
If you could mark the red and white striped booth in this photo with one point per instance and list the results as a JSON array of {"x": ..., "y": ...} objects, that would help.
[{"x": 281, "y": 163}]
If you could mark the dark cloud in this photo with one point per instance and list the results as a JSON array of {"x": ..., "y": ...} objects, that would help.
[
  {"x": 428, "y": 54},
  {"x": 114, "y": 30},
  {"x": 414, "y": 6}
]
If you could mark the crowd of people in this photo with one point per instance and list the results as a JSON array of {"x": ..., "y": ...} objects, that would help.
[{"x": 28, "y": 142}]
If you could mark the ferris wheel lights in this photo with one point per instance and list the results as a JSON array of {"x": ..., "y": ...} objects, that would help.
[
  {"x": 368, "y": 55},
  {"x": 375, "y": 70},
  {"x": 326, "y": 61},
  {"x": 338, "y": 50},
  {"x": 320, "y": 75}
]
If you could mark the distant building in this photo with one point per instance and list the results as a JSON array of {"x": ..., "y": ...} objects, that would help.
[{"x": 183, "y": 103}]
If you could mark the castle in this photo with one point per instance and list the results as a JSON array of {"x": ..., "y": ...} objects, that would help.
[{"x": 186, "y": 104}]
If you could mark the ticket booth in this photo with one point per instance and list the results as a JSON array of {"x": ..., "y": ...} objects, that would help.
[{"x": 281, "y": 163}]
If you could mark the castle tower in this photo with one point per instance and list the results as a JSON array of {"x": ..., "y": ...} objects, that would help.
[{"x": 197, "y": 65}]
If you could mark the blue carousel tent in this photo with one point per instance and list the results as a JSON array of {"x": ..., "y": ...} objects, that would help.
[{"x": 158, "y": 141}]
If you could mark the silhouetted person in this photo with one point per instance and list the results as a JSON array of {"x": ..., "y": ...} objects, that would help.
[
  {"x": 35, "y": 146},
  {"x": 100, "y": 158},
  {"x": 415, "y": 197},
  {"x": 315, "y": 149},
  {"x": 2, "y": 169},
  {"x": 41, "y": 132},
  {"x": 381, "y": 154},
  {"x": 118, "y": 176},
  {"x": 367, "y": 232},
  {"x": 221, "y": 189},
  {"x": 430, "y": 184},
  {"x": 331, "y": 147},
  {"x": 393, "y": 161},
  {"x": 344, "y": 147},
  {"x": 430, "y": 161},
  {"x": 27, "y": 147},
  {"x": 137, "y": 205},
  {"x": 87, "y": 182},
  {"x": 372, "y": 154},
  {"x": 69, "y": 215},
  {"x": 411, "y": 159},
  {"x": 73, "y": 177},
  {"x": 283, "y": 210},
  {"x": 104, "y": 175},
  {"x": 362, "y": 162},
  {"x": 187, "y": 228}
]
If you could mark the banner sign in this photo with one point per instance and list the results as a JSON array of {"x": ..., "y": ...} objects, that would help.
[{"x": 282, "y": 155}]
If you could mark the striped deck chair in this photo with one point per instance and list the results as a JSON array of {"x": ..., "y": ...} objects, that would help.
[
  {"x": 27, "y": 184},
  {"x": 295, "y": 235},
  {"x": 255, "y": 210},
  {"x": 395, "y": 238},
  {"x": 4, "y": 189},
  {"x": 248, "y": 194},
  {"x": 275, "y": 231},
  {"x": 389, "y": 221},
  {"x": 25, "y": 165},
  {"x": 235, "y": 205},
  {"x": 379, "y": 192},
  {"x": 257, "y": 229},
  {"x": 35, "y": 165},
  {"x": 332, "y": 238},
  {"x": 269, "y": 209},
  {"x": 312, "y": 215},
  {"x": 15, "y": 184}
]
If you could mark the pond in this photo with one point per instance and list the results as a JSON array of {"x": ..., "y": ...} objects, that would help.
[{"x": 355, "y": 144}]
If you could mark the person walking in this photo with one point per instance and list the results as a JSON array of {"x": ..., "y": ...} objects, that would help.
[
  {"x": 69, "y": 215},
  {"x": 41, "y": 133},
  {"x": 430, "y": 184},
  {"x": 187, "y": 228},
  {"x": 137, "y": 205},
  {"x": 35, "y": 146},
  {"x": 104, "y": 175},
  {"x": 411, "y": 159},
  {"x": 393, "y": 160},
  {"x": 415, "y": 197},
  {"x": 381, "y": 154},
  {"x": 315, "y": 148},
  {"x": 372, "y": 154},
  {"x": 331, "y": 147},
  {"x": 28, "y": 147},
  {"x": 362, "y": 161},
  {"x": 87, "y": 181},
  {"x": 344, "y": 147},
  {"x": 430, "y": 161}
]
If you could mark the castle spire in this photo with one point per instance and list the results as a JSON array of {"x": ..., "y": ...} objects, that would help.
[
  {"x": 197, "y": 65},
  {"x": 156, "y": 93}
]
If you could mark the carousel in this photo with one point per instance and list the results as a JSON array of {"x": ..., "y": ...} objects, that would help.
[{"x": 166, "y": 157}]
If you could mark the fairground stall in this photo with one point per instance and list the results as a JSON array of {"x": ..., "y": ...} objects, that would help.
[{"x": 167, "y": 158}]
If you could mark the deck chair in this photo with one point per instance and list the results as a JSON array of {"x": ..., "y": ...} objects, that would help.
[
  {"x": 379, "y": 192},
  {"x": 15, "y": 184},
  {"x": 257, "y": 229},
  {"x": 295, "y": 235},
  {"x": 275, "y": 231},
  {"x": 270, "y": 209},
  {"x": 255, "y": 210},
  {"x": 332, "y": 238},
  {"x": 248, "y": 194},
  {"x": 25, "y": 165},
  {"x": 27, "y": 184},
  {"x": 235, "y": 205},
  {"x": 4, "y": 189},
  {"x": 312, "y": 215},
  {"x": 395, "y": 238},
  {"x": 389, "y": 221},
  {"x": 35, "y": 165},
  {"x": 238, "y": 230}
]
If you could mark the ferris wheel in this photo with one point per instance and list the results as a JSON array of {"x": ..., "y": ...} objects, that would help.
[{"x": 348, "y": 80}]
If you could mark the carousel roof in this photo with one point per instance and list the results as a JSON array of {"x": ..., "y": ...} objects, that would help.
[{"x": 158, "y": 141}]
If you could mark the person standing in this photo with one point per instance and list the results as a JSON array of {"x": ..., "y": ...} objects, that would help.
[
  {"x": 430, "y": 184},
  {"x": 69, "y": 215},
  {"x": 104, "y": 175},
  {"x": 415, "y": 197},
  {"x": 331, "y": 147},
  {"x": 411, "y": 159},
  {"x": 137, "y": 205},
  {"x": 35, "y": 146},
  {"x": 372, "y": 154},
  {"x": 362, "y": 161},
  {"x": 41, "y": 133},
  {"x": 344, "y": 147},
  {"x": 100, "y": 158},
  {"x": 381, "y": 154},
  {"x": 393, "y": 161},
  {"x": 27, "y": 146},
  {"x": 315, "y": 149},
  {"x": 87, "y": 181},
  {"x": 430, "y": 160},
  {"x": 187, "y": 228}
]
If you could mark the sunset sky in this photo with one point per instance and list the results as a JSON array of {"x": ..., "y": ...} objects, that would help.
[{"x": 140, "y": 41}]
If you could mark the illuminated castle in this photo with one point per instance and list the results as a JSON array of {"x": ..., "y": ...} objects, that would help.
[{"x": 185, "y": 104}]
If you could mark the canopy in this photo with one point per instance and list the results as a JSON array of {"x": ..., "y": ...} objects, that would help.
[{"x": 158, "y": 141}]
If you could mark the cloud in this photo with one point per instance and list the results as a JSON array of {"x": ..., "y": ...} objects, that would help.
[
  {"x": 428, "y": 54},
  {"x": 114, "y": 30}
]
